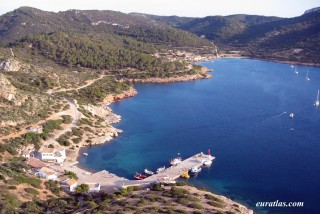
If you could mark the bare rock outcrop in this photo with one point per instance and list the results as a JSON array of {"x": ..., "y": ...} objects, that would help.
[
  {"x": 126, "y": 94},
  {"x": 7, "y": 90},
  {"x": 104, "y": 112},
  {"x": 10, "y": 65}
]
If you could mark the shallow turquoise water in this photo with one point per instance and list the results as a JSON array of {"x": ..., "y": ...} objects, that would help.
[{"x": 239, "y": 115}]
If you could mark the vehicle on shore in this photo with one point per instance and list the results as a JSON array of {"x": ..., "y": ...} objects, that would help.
[{"x": 185, "y": 175}]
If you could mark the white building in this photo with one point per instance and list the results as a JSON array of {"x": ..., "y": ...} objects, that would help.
[
  {"x": 94, "y": 187},
  {"x": 70, "y": 185},
  {"x": 46, "y": 173},
  {"x": 52, "y": 155}
]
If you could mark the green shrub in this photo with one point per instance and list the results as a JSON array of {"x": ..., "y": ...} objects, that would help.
[
  {"x": 157, "y": 187},
  {"x": 183, "y": 201},
  {"x": 196, "y": 206},
  {"x": 192, "y": 198},
  {"x": 66, "y": 119},
  {"x": 179, "y": 192},
  {"x": 2, "y": 177},
  {"x": 82, "y": 188},
  {"x": 213, "y": 198},
  {"x": 9, "y": 202},
  {"x": 32, "y": 181},
  {"x": 180, "y": 183},
  {"x": 216, "y": 204},
  {"x": 71, "y": 175},
  {"x": 31, "y": 191}
]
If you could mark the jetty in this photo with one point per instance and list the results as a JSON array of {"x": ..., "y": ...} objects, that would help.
[
  {"x": 173, "y": 172},
  {"x": 112, "y": 182}
]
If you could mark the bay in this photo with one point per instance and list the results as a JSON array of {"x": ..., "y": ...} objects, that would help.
[{"x": 242, "y": 115}]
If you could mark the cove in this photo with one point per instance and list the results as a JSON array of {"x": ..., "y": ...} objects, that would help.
[{"x": 242, "y": 115}]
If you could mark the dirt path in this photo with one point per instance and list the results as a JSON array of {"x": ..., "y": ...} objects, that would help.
[
  {"x": 75, "y": 114},
  {"x": 23, "y": 131},
  {"x": 88, "y": 83}
]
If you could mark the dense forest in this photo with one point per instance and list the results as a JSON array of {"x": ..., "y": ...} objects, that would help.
[{"x": 76, "y": 50}]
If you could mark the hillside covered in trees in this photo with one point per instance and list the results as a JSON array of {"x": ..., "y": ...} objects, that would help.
[{"x": 295, "y": 39}]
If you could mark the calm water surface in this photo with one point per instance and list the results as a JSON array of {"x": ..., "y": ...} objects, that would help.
[{"x": 242, "y": 114}]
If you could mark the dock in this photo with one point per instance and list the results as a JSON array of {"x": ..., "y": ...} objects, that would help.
[
  {"x": 112, "y": 182},
  {"x": 173, "y": 172}
]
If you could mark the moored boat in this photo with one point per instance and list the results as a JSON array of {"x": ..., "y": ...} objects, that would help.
[
  {"x": 291, "y": 115},
  {"x": 207, "y": 162},
  {"x": 175, "y": 161},
  {"x": 195, "y": 170},
  {"x": 316, "y": 103},
  {"x": 161, "y": 169},
  {"x": 307, "y": 76},
  {"x": 148, "y": 172},
  {"x": 85, "y": 154},
  {"x": 139, "y": 176}
]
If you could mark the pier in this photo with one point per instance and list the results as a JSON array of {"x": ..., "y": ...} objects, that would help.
[{"x": 170, "y": 173}]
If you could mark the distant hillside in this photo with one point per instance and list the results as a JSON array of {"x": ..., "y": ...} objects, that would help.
[
  {"x": 30, "y": 21},
  {"x": 295, "y": 39},
  {"x": 286, "y": 39}
]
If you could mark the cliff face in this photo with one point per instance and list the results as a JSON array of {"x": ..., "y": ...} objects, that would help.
[
  {"x": 126, "y": 94},
  {"x": 7, "y": 90}
]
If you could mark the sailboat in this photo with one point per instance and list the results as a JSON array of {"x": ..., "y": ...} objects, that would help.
[
  {"x": 295, "y": 70},
  {"x": 307, "y": 77},
  {"x": 316, "y": 103}
]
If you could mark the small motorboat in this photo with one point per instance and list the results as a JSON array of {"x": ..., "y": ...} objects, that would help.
[
  {"x": 148, "y": 172},
  {"x": 185, "y": 175},
  {"x": 316, "y": 103},
  {"x": 139, "y": 176},
  {"x": 85, "y": 154},
  {"x": 307, "y": 76},
  {"x": 207, "y": 162},
  {"x": 291, "y": 115},
  {"x": 161, "y": 169},
  {"x": 195, "y": 170},
  {"x": 175, "y": 161}
]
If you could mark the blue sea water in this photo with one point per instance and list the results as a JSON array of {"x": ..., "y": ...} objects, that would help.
[{"x": 242, "y": 115}]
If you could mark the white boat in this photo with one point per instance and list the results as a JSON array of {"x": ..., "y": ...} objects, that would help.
[
  {"x": 175, "y": 161},
  {"x": 295, "y": 70},
  {"x": 85, "y": 154},
  {"x": 307, "y": 77},
  {"x": 161, "y": 169},
  {"x": 316, "y": 103},
  {"x": 207, "y": 162},
  {"x": 291, "y": 115},
  {"x": 195, "y": 169},
  {"x": 148, "y": 172},
  {"x": 291, "y": 66}
]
